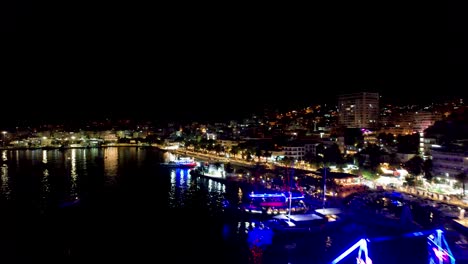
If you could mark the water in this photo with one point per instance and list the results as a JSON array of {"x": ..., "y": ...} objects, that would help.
[
  {"x": 117, "y": 205},
  {"x": 110, "y": 204}
]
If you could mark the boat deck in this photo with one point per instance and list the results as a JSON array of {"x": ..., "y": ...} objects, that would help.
[{"x": 299, "y": 217}]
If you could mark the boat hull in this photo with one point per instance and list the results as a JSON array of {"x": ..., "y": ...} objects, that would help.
[{"x": 178, "y": 166}]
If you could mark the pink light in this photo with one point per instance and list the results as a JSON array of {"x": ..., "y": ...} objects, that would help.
[
  {"x": 440, "y": 254},
  {"x": 361, "y": 261}
]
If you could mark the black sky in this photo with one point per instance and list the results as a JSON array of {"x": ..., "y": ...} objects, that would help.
[{"x": 227, "y": 61}]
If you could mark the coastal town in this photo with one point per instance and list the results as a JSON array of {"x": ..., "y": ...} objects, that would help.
[
  {"x": 353, "y": 152},
  {"x": 421, "y": 147}
]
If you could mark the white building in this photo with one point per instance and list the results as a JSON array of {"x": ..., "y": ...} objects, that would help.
[
  {"x": 449, "y": 162},
  {"x": 294, "y": 152}
]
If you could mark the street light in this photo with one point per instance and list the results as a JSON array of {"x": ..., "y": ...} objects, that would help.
[{"x": 324, "y": 176}]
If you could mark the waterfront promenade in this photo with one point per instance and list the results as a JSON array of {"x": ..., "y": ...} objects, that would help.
[
  {"x": 461, "y": 203},
  {"x": 213, "y": 158}
]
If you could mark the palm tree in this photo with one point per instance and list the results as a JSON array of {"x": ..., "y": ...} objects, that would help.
[
  {"x": 235, "y": 151},
  {"x": 427, "y": 168},
  {"x": 461, "y": 177},
  {"x": 415, "y": 165}
]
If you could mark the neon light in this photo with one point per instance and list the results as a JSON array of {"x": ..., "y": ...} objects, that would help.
[
  {"x": 297, "y": 197},
  {"x": 348, "y": 251},
  {"x": 266, "y": 195},
  {"x": 440, "y": 254},
  {"x": 439, "y": 250},
  {"x": 270, "y": 195}
]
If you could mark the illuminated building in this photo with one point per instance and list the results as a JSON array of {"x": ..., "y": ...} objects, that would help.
[
  {"x": 358, "y": 110},
  {"x": 449, "y": 161}
]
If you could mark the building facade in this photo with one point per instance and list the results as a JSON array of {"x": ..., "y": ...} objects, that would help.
[
  {"x": 449, "y": 162},
  {"x": 358, "y": 110}
]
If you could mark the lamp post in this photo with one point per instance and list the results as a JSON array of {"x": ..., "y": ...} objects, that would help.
[{"x": 324, "y": 176}]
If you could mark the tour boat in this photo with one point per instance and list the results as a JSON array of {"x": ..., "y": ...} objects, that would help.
[{"x": 179, "y": 162}]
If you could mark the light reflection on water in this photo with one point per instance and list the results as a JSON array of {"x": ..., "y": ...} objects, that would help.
[
  {"x": 186, "y": 191},
  {"x": 5, "y": 182},
  {"x": 74, "y": 175},
  {"x": 111, "y": 162},
  {"x": 179, "y": 185},
  {"x": 60, "y": 176},
  {"x": 45, "y": 186},
  {"x": 44, "y": 156},
  {"x": 4, "y": 155}
]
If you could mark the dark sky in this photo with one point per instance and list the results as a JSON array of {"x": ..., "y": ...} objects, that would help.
[{"x": 226, "y": 61}]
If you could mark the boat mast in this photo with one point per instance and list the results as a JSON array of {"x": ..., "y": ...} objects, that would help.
[
  {"x": 290, "y": 195},
  {"x": 324, "y": 184},
  {"x": 290, "y": 201}
]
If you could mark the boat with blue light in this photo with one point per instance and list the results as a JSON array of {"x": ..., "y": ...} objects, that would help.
[{"x": 274, "y": 203}]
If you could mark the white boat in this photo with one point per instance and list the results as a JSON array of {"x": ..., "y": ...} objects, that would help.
[
  {"x": 308, "y": 222},
  {"x": 172, "y": 161},
  {"x": 210, "y": 171}
]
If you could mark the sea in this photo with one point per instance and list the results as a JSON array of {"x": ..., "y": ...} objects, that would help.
[{"x": 116, "y": 204}]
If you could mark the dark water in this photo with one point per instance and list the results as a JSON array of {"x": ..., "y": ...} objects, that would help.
[{"x": 117, "y": 205}]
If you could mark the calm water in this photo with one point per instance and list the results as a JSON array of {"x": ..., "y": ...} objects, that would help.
[{"x": 117, "y": 204}]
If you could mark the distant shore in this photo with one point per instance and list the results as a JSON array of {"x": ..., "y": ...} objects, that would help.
[{"x": 77, "y": 147}]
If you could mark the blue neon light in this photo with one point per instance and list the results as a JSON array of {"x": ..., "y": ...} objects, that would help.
[
  {"x": 360, "y": 243},
  {"x": 266, "y": 195},
  {"x": 437, "y": 244}
]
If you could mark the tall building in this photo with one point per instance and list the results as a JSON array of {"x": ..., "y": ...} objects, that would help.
[{"x": 358, "y": 110}]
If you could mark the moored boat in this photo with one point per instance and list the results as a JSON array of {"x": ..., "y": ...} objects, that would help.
[
  {"x": 307, "y": 222},
  {"x": 183, "y": 162},
  {"x": 202, "y": 171},
  {"x": 275, "y": 203}
]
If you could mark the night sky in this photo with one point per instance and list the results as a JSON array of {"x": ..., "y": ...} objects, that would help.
[{"x": 200, "y": 63}]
